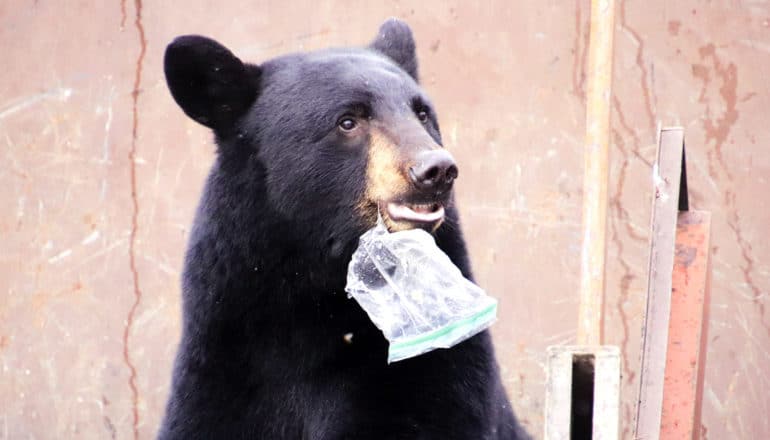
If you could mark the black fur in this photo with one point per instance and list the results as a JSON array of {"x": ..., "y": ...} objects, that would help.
[
  {"x": 262, "y": 354},
  {"x": 395, "y": 40}
]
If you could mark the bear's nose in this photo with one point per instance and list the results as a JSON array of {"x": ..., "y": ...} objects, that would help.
[{"x": 434, "y": 170}]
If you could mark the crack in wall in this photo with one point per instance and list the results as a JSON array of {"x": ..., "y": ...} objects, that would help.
[
  {"x": 134, "y": 217},
  {"x": 122, "y": 14},
  {"x": 625, "y": 284},
  {"x": 580, "y": 55},
  {"x": 616, "y": 204},
  {"x": 637, "y": 142},
  {"x": 644, "y": 79},
  {"x": 622, "y": 212},
  {"x": 628, "y": 276},
  {"x": 747, "y": 268}
]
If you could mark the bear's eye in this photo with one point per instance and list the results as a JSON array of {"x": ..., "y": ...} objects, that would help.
[
  {"x": 422, "y": 115},
  {"x": 347, "y": 124}
]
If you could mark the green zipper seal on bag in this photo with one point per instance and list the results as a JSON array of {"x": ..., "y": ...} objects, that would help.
[{"x": 398, "y": 350}]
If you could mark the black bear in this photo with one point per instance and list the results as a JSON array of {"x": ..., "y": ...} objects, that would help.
[{"x": 310, "y": 147}]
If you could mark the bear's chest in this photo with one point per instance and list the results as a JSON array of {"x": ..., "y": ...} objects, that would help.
[{"x": 356, "y": 395}]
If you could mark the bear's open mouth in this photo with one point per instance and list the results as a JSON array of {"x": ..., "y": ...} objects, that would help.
[{"x": 416, "y": 212}]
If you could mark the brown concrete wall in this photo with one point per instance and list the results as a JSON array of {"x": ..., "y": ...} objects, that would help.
[{"x": 100, "y": 173}]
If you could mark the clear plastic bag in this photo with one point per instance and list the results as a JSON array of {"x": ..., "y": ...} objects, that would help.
[{"x": 414, "y": 293}]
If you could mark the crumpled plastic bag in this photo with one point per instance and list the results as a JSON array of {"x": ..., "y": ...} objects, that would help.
[{"x": 413, "y": 292}]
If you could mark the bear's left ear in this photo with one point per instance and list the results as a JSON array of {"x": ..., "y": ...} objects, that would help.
[
  {"x": 210, "y": 83},
  {"x": 395, "y": 40}
]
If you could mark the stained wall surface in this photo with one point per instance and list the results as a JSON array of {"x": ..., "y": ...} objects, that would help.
[{"x": 100, "y": 174}]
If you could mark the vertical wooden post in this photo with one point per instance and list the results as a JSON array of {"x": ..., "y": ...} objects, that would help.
[
  {"x": 596, "y": 174},
  {"x": 583, "y": 383}
]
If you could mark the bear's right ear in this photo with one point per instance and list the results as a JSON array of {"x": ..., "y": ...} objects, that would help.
[
  {"x": 395, "y": 40},
  {"x": 211, "y": 84}
]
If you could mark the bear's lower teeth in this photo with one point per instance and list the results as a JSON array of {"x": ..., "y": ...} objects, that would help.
[
  {"x": 423, "y": 208},
  {"x": 422, "y": 213}
]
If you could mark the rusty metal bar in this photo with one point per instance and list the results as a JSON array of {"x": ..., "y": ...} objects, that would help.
[
  {"x": 596, "y": 174},
  {"x": 683, "y": 385}
]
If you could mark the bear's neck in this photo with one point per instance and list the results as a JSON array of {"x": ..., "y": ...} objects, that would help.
[{"x": 243, "y": 257}]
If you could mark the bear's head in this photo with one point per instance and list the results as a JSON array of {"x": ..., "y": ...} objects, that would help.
[{"x": 336, "y": 136}]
